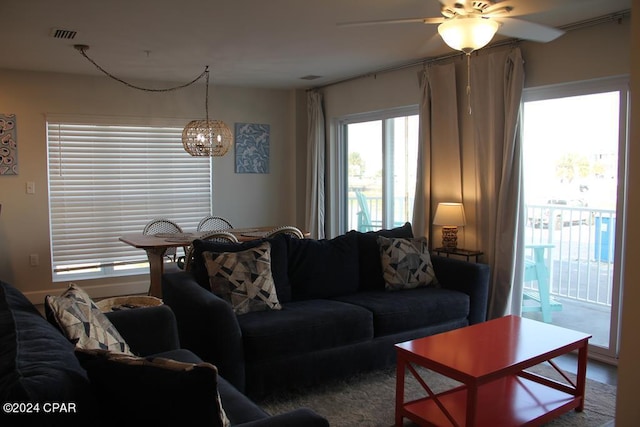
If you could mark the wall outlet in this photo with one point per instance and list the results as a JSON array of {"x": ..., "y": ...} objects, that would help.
[{"x": 34, "y": 260}]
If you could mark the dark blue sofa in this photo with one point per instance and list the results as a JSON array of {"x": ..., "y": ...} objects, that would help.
[
  {"x": 38, "y": 367},
  {"x": 336, "y": 319}
]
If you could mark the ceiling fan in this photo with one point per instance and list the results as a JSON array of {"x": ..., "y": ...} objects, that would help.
[{"x": 468, "y": 25}]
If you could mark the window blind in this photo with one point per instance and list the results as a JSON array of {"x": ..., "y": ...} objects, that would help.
[{"x": 107, "y": 180}]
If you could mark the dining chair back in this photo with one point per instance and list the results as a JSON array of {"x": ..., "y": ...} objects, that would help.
[
  {"x": 163, "y": 225},
  {"x": 214, "y": 223},
  {"x": 286, "y": 229},
  {"x": 218, "y": 236}
]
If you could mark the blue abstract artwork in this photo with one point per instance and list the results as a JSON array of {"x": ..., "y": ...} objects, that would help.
[
  {"x": 8, "y": 145},
  {"x": 252, "y": 148}
]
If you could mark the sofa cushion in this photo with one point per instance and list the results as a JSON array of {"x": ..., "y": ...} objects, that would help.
[
  {"x": 302, "y": 327},
  {"x": 323, "y": 268},
  {"x": 278, "y": 261},
  {"x": 37, "y": 362},
  {"x": 406, "y": 263},
  {"x": 410, "y": 309},
  {"x": 82, "y": 322},
  {"x": 370, "y": 267},
  {"x": 243, "y": 279},
  {"x": 154, "y": 390}
]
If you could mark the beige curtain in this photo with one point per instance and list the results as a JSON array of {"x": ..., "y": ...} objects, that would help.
[
  {"x": 497, "y": 80},
  {"x": 315, "y": 205},
  {"x": 439, "y": 170}
]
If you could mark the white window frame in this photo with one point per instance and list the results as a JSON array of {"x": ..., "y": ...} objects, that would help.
[
  {"x": 341, "y": 138},
  {"x": 110, "y": 176}
]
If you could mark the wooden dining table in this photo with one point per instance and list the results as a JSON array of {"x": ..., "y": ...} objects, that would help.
[{"x": 156, "y": 245}]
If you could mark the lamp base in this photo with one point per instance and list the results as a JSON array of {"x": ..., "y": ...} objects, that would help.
[{"x": 450, "y": 237}]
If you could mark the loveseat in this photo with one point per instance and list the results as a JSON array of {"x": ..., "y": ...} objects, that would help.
[
  {"x": 335, "y": 315},
  {"x": 43, "y": 383}
]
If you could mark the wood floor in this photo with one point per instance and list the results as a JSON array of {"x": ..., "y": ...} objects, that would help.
[{"x": 596, "y": 370}]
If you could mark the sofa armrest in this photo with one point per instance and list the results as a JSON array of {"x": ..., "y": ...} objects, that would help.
[
  {"x": 206, "y": 325},
  {"x": 296, "y": 418},
  {"x": 468, "y": 277},
  {"x": 147, "y": 330}
]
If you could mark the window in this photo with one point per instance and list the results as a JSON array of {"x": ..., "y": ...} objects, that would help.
[
  {"x": 108, "y": 179},
  {"x": 380, "y": 152}
]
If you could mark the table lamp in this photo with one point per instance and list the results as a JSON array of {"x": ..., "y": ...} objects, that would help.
[{"x": 449, "y": 216}]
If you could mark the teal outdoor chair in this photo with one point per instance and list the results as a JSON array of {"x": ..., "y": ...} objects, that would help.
[
  {"x": 364, "y": 215},
  {"x": 540, "y": 300}
]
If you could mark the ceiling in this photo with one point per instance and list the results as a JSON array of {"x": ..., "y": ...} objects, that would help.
[{"x": 256, "y": 43}]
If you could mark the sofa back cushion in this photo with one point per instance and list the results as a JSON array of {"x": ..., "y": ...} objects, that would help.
[
  {"x": 278, "y": 261},
  {"x": 37, "y": 362},
  {"x": 323, "y": 268},
  {"x": 370, "y": 266}
]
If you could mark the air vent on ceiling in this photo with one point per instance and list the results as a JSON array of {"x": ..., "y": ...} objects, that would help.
[
  {"x": 310, "y": 77},
  {"x": 59, "y": 33}
]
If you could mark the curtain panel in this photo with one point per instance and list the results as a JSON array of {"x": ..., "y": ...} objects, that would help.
[
  {"x": 497, "y": 81},
  {"x": 438, "y": 176},
  {"x": 316, "y": 144}
]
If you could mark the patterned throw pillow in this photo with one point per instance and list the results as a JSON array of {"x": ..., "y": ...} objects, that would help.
[
  {"x": 243, "y": 278},
  {"x": 406, "y": 263},
  {"x": 82, "y": 322},
  {"x": 155, "y": 390}
]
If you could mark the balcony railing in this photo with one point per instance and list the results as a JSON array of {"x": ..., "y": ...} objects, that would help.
[{"x": 581, "y": 258}]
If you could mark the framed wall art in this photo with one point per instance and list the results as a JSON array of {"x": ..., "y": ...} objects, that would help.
[
  {"x": 8, "y": 145},
  {"x": 252, "y": 148}
]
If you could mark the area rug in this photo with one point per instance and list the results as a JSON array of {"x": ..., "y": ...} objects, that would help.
[{"x": 367, "y": 400}]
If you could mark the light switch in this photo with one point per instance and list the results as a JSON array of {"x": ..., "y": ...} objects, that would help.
[{"x": 31, "y": 187}]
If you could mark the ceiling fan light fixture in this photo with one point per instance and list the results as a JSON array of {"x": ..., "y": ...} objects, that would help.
[{"x": 468, "y": 33}]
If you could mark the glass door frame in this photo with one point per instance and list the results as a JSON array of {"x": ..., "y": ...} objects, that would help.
[{"x": 615, "y": 84}]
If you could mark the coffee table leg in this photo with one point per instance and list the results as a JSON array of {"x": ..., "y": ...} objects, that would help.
[
  {"x": 581, "y": 375},
  {"x": 400, "y": 371},
  {"x": 472, "y": 405}
]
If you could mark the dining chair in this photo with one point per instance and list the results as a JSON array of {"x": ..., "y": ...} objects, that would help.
[
  {"x": 214, "y": 223},
  {"x": 218, "y": 236},
  {"x": 161, "y": 226},
  {"x": 286, "y": 229}
]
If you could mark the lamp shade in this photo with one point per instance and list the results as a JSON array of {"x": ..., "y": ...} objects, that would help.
[
  {"x": 467, "y": 33},
  {"x": 207, "y": 138},
  {"x": 449, "y": 214}
]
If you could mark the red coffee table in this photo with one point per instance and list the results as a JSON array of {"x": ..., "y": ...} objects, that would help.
[{"x": 490, "y": 359}]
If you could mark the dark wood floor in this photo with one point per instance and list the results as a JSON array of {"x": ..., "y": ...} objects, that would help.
[{"x": 596, "y": 370}]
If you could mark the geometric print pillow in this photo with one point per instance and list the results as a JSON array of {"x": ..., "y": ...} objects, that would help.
[
  {"x": 83, "y": 323},
  {"x": 406, "y": 263},
  {"x": 243, "y": 279}
]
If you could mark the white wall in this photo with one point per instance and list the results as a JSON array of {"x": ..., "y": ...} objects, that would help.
[{"x": 246, "y": 199}]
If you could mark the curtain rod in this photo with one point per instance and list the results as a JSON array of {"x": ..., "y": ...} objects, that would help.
[{"x": 616, "y": 16}]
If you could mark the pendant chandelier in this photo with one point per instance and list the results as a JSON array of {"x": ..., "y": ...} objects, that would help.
[
  {"x": 199, "y": 137},
  {"x": 206, "y": 137}
]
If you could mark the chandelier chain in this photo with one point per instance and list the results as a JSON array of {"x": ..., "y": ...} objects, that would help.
[{"x": 82, "y": 49}]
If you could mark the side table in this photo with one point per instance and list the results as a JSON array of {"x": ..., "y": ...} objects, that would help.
[{"x": 467, "y": 253}]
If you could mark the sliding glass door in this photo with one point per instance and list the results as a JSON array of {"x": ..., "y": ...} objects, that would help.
[{"x": 574, "y": 144}]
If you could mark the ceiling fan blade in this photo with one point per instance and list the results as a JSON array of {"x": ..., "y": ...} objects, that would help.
[
  {"x": 392, "y": 21},
  {"x": 523, "y": 7},
  {"x": 526, "y": 30}
]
